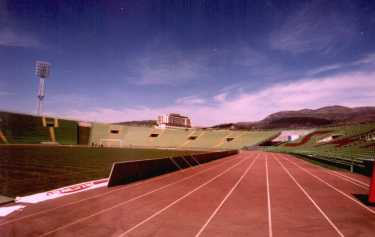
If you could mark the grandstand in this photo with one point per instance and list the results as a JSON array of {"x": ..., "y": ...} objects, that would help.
[
  {"x": 178, "y": 138},
  {"x": 349, "y": 144},
  {"x": 29, "y": 129},
  {"x": 170, "y": 138},
  {"x": 84, "y": 130},
  {"x": 66, "y": 132},
  {"x": 23, "y": 129},
  {"x": 242, "y": 138}
]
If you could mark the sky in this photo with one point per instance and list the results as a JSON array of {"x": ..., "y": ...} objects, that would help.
[{"x": 215, "y": 61}]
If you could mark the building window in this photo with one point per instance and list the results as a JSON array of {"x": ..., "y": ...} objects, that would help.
[
  {"x": 154, "y": 135},
  {"x": 229, "y": 139},
  {"x": 115, "y": 131},
  {"x": 192, "y": 137}
]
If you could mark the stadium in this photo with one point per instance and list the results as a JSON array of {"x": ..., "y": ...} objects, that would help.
[
  {"x": 182, "y": 118},
  {"x": 63, "y": 176}
]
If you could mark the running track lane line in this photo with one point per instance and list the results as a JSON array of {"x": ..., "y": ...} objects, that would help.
[
  {"x": 341, "y": 176},
  {"x": 353, "y": 179},
  {"x": 226, "y": 197},
  {"x": 104, "y": 194},
  {"x": 270, "y": 233},
  {"x": 347, "y": 179},
  {"x": 333, "y": 171},
  {"x": 181, "y": 198},
  {"x": 331, "y": 186},
  {"x": 130, "y": 200},
  {"x": 309, "y": 197}
]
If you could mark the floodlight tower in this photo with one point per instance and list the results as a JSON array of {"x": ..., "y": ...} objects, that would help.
[{"x": 42, "y": 72}]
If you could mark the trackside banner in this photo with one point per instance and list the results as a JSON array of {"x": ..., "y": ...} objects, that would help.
[
  {"x": 53, "y": 194},
  {"x": 68, "y": 190}
]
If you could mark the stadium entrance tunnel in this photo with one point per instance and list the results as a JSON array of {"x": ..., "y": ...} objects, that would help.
[{"x": 132, "y": 171}]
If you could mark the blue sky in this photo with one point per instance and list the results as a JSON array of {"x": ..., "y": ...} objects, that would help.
[{"x": 216, "y": 61}]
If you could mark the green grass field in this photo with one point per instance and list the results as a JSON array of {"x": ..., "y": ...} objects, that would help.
[{"x": 28, "y": 169}]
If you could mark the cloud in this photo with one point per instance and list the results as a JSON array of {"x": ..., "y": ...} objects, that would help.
[
  {"x": 167, "y": 65},
  {"x": 307, "y": 29},
  {"x": 324, "y": 69},
  {"x": 11, "y": 34},
  {"x": 190, "y": 100},
  {"x": 254, "y": 64},
  {"x": 364, "y": 61},
  {"x": 351, "y": 89},
  {"x": 70, "y": 99},
  {"x": 11, "y": 38},
  {"x": 367, "y": 59},
  {"x": 6, "y": 93},
  {"x": 162, "y": 63},
  {"x": 220, "y": 97},
  {"x": 167, "y": 73},
  {"x": 59, "y": 103}
]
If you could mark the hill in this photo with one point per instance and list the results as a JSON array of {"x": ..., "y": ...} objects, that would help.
[
  {"x": 308, "y": 118},
  {"x": 146, "y": 123}
]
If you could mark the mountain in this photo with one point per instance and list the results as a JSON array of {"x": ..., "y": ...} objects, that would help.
[
  {"x": 146, "y": 123},
  {"x": 308, "y": 118}
]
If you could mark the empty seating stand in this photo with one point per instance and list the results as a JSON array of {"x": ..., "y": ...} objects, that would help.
[
  {"x": 29, "y": 129},
  {"x": 23, "y": 129},
  {"x": 66, "y": 132},
  {"x": 178, "y": 138},
  {"x": 348, "y": 144}
]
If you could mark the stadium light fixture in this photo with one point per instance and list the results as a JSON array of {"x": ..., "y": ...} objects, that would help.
[{"x": 42, "y": 71}]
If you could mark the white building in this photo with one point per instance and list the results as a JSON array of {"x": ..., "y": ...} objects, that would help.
[
  {"x": 292, "y": 135},
  {"x": 173, "y": 120}
]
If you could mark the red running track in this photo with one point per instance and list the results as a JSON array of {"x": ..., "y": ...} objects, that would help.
[{"x": 249, "y": 194}]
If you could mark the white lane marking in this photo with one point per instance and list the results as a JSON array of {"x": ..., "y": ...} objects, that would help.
[
  {"x": 181, "y": 198},
  {"x": 347, "y": 179},
  {"x": 103, "y": 194},
  {"x": 331, "y": 186},
  {"x": 226, "y": 197},
  {"x": 270, "y": 233},
  {"x": 353, "y": 179},
  {"x": 126, "y": 202},
  {"x": 309, "y": 197},
  {"x": 340, "y": 175}
]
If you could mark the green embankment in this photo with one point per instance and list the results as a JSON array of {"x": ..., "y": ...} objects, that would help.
[{"x": 27, "y": 169}]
